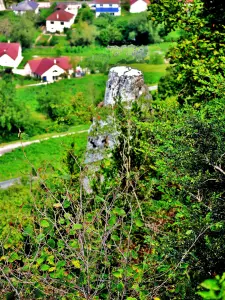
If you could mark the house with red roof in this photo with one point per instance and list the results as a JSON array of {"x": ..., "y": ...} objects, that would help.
[
  {"x": 10, "y": 55},
  {"x": 59, "y": 20},
  {"x": 137, "y": 6},
  {"x": 49, "y": 69},
  {"x": 111, "y": 7}
]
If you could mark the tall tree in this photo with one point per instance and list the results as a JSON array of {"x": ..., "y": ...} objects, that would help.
[{"x": 197, "y": 63}]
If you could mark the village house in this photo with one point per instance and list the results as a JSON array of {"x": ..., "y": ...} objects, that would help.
[
  {"x": 111, "y": 7},
  {"x": 49, "y": 69},
  {"x": 25, "y": 6},
  {"x": 69, "y": 7},
  {"x": 59, "y": 20},
  {"x": 10, "y": 55},
  {"x": 137, "y": 6}
]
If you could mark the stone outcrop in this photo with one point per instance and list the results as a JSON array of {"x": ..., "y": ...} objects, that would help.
[
  {"x": 125, "y": 84},
  {"x": 102, "y": 136}
]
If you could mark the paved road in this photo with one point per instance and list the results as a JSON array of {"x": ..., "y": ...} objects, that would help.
[
  {"x": 2, "y": 5},
  {"x": 10, "y": 147}
]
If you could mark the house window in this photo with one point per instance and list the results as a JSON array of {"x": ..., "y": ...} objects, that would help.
[
  {"x": 110, "y": 5},
  {"x": 62, "y": 23},
  {"x": 101, "y": 5},
  {"x": 52, "y": 22}
]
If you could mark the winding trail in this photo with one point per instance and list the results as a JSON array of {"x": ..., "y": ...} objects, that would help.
[
  {"x": 8, "y": 148},
  {"x": 11, "y": 147}
]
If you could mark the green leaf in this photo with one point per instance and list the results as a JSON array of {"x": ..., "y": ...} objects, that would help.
[
  {"x": 40, "y": 260},
  {"x": 139, "y": 223},
  {"x": 208, "y": 295},
  {"x": 120, "y": 286},
  {"x": 28, "y": 230},
  {"x": 117, "y": 274},
  {"x": 115, "y": 237},
  {"x": 51, "y": 243},
  {"x": 14, "y": 256},
  {"x": 60, "y": 263},
  {"x": 77, "y": 226},
  {"x": 131, "y": 298},
  {"x": 40, "y": 237},
  {"x": 44, "y": 223},
  {"x": 66, "y": 204},
  {"x": 45, "y": 267},
  {"x": 74, "y": 244},
  {"x": 210, "y": 284},
  {"x": 119, "y": 211},
  {"x": 112, "y": 220},
  {"x": 189, "y": 232}
]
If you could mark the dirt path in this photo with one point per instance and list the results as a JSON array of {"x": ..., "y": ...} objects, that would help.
[{"x": 11, "y": 147}]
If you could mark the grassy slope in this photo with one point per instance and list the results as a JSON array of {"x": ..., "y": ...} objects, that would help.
[
  {"x": 40, "y": 156},
  {"x": 92, "y": 87},
  {"x": 152, "y": 73}
]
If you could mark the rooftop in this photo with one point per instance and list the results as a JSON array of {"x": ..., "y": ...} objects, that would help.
[
  {"x": 60, "y": 15},
  {"x": 11, "y": 49},
  {"x": 40, "y": 66},
  {"x": 25, "y": 6}
]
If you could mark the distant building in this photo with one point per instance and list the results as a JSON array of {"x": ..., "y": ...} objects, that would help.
[
  {"x": 59, "y": 20},
  {"x": 137, "y": 6},
  {"x": 111, "y": 7},
  {"x": 25, "y": 6},
  {"x": 49, "y": 69},
  {"x": 10, "y": 55},
  {"x": 69, "y": 7}
]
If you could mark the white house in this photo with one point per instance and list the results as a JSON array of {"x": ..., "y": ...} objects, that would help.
[
  {"x": 10, "y": 55},
  {"x": 69, "y": 7},
  {"x": 49, "y": 69},
  {"x": 137, "y": 6},
  {"x": 111, "y": 7},
  {"x": 59, "y": 20},
  {"x": 25, "y": 6}
]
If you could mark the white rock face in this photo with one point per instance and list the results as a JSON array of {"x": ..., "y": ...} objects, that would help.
[
  {"x": 102, "y": 136},
  {"x": 124, "y": 84}
]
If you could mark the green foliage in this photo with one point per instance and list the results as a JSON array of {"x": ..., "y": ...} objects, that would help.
[
  {"x": 84, "y": 34},
  {"x": 156, "y": 222},
  {"x": 12, "y": 116},
  {"x": 44, "y": 13},
  {"x": 133, "y": 29},
  {"x": 213, "y": 288},
  {"x": 85, "y": 14},
  {"x": 44, "y": 157},
  {"x": 199, "y": 53},
  {"x": 23, "y": 31}
]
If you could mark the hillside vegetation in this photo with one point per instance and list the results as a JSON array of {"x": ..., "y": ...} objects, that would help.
[{"x": 152, "y": 224}]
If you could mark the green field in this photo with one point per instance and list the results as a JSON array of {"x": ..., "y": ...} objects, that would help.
[
  {"x": 116, "y": 54},
  {"x": 92, "y": 88},
  {"x": 43, "y": 157},
  {"x": 152, "y": 73}
]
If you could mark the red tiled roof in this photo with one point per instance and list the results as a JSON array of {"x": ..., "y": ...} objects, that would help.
[
  {"x": 61, "y": 6},
  {"x": 107, "y": 1},
  {"x": 40, "y": 66},
  {"x": 60, "y": 15},
  {"x": 134, "y": 1},
  {"x": 11, "y": 49}
]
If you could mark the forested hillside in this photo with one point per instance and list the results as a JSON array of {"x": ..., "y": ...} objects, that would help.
[{"x": 153, "y": 225}]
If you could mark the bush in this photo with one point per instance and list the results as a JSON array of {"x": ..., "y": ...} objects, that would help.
[
  {"x": 156, "y": 59},
  {"x": 53, "y": 41}
]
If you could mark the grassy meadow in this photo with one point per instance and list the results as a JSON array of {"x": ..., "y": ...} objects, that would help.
[{"x": 44, "y": 157}]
